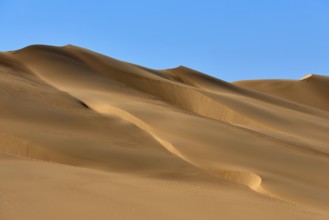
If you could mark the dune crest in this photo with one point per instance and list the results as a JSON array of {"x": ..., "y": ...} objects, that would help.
[
  {"x": 249, "y": 142},
  {"x": 307, "y": 76}
]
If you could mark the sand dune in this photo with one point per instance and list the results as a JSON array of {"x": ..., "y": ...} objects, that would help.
[
  {"x": 83, "y": 135},
  {"x": 310, "y": 90}
]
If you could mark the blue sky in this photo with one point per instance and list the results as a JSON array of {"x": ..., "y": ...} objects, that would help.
[{"x": 229, "y": 39}]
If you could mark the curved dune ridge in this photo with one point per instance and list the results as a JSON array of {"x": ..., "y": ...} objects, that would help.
[{"x": 175, "y": 136}]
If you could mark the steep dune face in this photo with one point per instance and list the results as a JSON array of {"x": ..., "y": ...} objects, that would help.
[{"x": 74, "y": 106}]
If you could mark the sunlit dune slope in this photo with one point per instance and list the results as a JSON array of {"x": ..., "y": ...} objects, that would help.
[{"x": 262, "y": 141}]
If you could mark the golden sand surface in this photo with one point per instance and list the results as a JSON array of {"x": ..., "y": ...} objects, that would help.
[{"x": 86, "y": 136}]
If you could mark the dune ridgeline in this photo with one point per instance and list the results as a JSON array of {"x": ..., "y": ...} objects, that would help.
[{"x": 86, "y": 136}]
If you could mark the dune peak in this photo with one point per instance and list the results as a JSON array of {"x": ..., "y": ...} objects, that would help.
[{"x": 307, "y": 76}]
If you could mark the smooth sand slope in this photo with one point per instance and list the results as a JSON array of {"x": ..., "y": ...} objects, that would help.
[{"x": 85, "y": 136}]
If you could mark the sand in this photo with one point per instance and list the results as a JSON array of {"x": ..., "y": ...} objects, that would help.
[{"x": 86, "y": 136}]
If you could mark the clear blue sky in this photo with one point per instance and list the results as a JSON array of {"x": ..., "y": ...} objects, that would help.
[{"x": 229, "y": 39}]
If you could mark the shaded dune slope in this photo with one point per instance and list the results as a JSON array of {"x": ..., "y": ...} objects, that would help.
[
  {"x": 311, "y": 90},
  {"x": 175, "y": 122}
]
